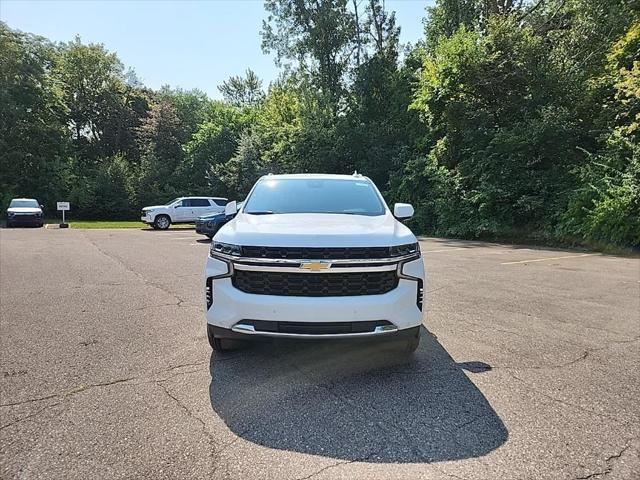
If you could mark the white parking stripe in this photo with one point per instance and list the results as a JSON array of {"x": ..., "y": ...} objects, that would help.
[{"x": 550, "y": 258}]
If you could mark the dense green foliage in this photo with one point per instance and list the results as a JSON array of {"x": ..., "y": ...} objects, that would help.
[{"x": 509, "y": 119}]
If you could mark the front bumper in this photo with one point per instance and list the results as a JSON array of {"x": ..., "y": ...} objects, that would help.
[
  {"x": 231, "y": 307},
  {"x": 203, "y": 229},
  {"x": 27, "y": 220}
]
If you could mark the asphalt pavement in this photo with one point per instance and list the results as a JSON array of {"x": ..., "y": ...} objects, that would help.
[{"x": 529, "y": 368}]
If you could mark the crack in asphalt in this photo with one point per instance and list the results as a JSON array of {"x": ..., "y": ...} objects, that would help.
[
  {"x": 31, "y": 415},
  {"x": 70, "y": 392},
  {"x": 84, "y": 387},
  {"x": 610, "y": 461},
  {"x": 134, "y": 272},
  {"x": 216, "y": 449},
  {"x": 564, "y": 402},
  {"x": 178, "y": 303},
  {"x": 186, "y": 409},
  {"x": 583, "y": 356},
  {"x": 344, "y": 462},
  {"x": 385, "y": 427},
  {"x": 193, "y": 364},
  {"x": 580, "y": 358}
]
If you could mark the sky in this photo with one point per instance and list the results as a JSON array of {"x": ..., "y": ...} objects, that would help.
[{"x": 187, "y": 44}]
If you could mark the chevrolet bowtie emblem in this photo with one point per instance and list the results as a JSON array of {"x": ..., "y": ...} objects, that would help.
[{"x": 315, "y": 266}]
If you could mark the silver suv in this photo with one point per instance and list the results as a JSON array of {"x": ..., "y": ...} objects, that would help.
[{"x": 181, "y": 210}]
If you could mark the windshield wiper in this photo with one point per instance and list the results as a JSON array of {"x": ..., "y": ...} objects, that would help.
[{"x": 261, "y": 212}]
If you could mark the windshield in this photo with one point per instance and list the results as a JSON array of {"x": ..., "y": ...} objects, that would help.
[
  {"x": 302, "y": 195},
  {"x": 172, "y": 201},
  {"x": 24, "y": 203}
]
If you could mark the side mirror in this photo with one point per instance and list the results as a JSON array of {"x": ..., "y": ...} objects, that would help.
[
  {"x": 403, "y": 211},
  {"x": 230, "y": 209},
  {"x": 42, "y": 206}
]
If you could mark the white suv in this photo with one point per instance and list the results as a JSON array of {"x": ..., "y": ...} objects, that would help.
[
  {"x": 181, "y": 210},
  {"x": 314, "y": 256}
]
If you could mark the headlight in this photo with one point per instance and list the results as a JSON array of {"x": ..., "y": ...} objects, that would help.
[
  {"x": 11, "y": 214},
  {"x": 225, "y": 249},
  {"x": 407, "y": 249}
]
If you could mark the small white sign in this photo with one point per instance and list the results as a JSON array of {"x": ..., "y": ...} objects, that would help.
[{"x": 63, "y": 206}]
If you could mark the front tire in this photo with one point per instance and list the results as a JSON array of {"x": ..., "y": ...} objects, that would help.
[{"x": 162, "y": 222}]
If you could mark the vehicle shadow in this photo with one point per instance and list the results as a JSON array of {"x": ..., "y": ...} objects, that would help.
[{"x": 355, "y": 401}]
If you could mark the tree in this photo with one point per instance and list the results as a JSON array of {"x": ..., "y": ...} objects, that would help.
[
  {"x": 192, "y": 107},
  {"x": 503, "y": 119},
  {"x": 243, "y": 92},
  {"x": 239, "y": 174},
  {"x": 317, "y": 35},
  {"x": 32, "y": 115},
  {"x": 213, "y": 144},
  {"x": 113, "y": 190},
  {"x": 606, "y": 206},
  {"x": 97, "y": 97},
  {"x": 159, "y": 137},
  {"x": 381, "y": 27}
]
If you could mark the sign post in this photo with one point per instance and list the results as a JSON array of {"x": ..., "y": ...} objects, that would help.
[{"x": 63, "y": 207}]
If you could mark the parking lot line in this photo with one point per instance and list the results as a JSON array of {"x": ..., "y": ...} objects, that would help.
[{"x": 550, "y": 258}]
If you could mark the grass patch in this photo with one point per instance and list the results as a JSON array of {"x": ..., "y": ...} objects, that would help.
[{"x": 111, "y": 224}]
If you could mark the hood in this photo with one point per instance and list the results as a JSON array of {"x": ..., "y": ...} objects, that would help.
[
  {"x": 24, "y": 210},
  {"x": 315, "y": 230},
  {"x": 212, "y": 216}
]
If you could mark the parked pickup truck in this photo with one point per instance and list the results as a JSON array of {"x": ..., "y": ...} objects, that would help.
[
  {"x": 314, "y": 257},
  {"x": 181, "y": 210}
]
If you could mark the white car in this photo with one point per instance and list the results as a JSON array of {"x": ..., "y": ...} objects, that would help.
[
  {"x": 24, "y": 211},
  {"x": 181, "y": 210},
  {"x": 314, "y": 257}
]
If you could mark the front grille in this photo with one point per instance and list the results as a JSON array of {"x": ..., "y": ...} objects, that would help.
[
  {"x": 27, "y": 217},
  {"x": 315, "y": 284}
]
